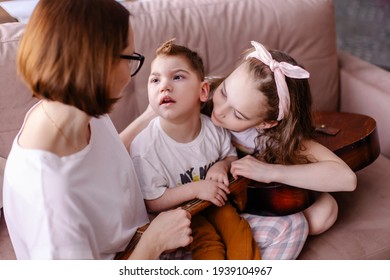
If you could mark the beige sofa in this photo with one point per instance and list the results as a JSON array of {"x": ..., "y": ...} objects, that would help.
[{"x": 220, "y": 30}]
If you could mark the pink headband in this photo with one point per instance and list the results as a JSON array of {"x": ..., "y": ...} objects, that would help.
[{"x": 280, "y": 69}]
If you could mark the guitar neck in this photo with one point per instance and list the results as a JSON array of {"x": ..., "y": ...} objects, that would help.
[{"x": 193, "y": 206}]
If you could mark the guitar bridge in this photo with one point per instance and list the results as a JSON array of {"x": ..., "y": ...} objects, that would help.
[{"x": 327, "y": 130}]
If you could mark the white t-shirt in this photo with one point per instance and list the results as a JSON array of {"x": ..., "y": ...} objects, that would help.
[
  {"x": 162, "y": 162},
  {"x": 83, "y": 206}
]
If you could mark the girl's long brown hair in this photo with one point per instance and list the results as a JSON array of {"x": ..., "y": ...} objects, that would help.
[{"x": 284, "y": 142}]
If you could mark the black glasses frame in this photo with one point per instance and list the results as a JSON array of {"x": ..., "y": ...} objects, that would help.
[{"x": 137, "y": 57}]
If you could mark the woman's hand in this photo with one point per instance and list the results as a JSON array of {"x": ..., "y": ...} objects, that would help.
[
  {"x": 173, "y": 229},
  {"x": 169, "y": 230}
]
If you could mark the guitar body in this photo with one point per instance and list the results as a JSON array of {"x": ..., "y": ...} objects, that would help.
[{"x": 277, "y": 199}]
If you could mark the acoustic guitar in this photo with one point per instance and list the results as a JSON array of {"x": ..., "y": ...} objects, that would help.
[{"x": 353, "y": 137}]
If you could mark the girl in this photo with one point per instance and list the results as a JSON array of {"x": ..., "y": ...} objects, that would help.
[{"x": 266, "y": 104}]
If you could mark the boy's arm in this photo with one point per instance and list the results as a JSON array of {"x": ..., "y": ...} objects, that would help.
[
  {"x": 228, "y": 162},
  {"x": 158, "y": 193},
  {"x": 212, "y": 191},
  {"x": 172, "y": 197},
  {"x": 219, "y": 172}
]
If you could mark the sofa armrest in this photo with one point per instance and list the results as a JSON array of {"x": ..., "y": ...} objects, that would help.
[{"x": 365, "y": 89}]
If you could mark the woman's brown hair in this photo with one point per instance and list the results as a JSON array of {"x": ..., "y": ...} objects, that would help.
[{"x": 69, "y": 49}]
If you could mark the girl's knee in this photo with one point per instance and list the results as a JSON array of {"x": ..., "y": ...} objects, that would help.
[{"x": 322, "y": 214}]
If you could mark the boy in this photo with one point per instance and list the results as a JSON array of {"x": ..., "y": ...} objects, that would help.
[{"x": 181, "y": 155}]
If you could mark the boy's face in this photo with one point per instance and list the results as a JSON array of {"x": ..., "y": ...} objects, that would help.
[{"x": 174, "y": 89}]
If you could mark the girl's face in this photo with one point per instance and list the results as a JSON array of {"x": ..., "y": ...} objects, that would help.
[
  {"x": 238, "y": 105},
  {"x": 174, "y": 89}
]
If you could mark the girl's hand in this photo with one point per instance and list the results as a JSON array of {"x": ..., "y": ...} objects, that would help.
[
  {"x": 252, "y": 168},
  {"x": 212, "y": 191},
  {"x": 170, "y": 230},
  {"x": 218, "y": 173}
]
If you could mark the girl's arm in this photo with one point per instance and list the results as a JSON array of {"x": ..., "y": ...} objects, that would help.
[
  {"x": 169, "y": 230},
  {"x": 134, "y": 128},
  {"x": 327, "y": 173}
]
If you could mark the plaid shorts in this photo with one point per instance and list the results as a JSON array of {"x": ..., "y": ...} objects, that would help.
[{"x": 278, "y": 238}]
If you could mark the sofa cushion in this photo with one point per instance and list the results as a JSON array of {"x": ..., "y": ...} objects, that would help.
[
  {"x": 362, "y": 230},
  {"x": 15, "y": 98},
  {"x": 220, "y": 30},
  {"x": 5, "y": 17},
  {"x": 6, "y": 251}
]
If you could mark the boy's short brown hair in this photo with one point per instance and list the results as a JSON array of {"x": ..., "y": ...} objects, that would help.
[
  {"x": 67, "y": 53},
  {"x": 169, "y": 48}
]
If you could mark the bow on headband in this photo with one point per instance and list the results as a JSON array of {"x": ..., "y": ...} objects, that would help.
[{"x": 280, "y": 69}]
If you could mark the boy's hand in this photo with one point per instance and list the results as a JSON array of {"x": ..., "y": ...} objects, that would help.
[
  {"x": 212, "y": 191},
  {"x": 219, "y": 172}
]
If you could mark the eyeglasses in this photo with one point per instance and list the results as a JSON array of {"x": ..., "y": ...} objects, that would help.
[{"x": 135, "y": 62}]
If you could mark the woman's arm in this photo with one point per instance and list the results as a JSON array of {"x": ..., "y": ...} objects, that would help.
[
  {"x": 131, "y": 131},
  {"x": 326, "y": 173}
]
